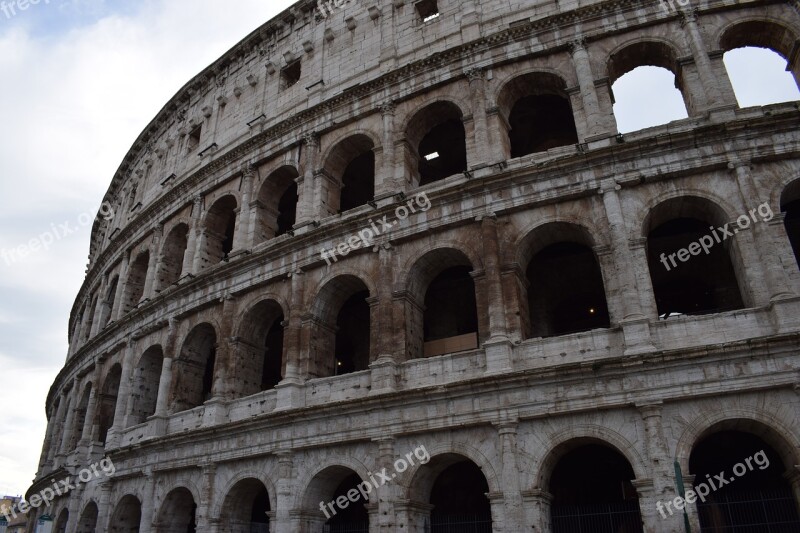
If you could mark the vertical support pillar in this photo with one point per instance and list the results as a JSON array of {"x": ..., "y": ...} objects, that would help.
[
  {"x": 388, "y": 184},
  {"x": 192, "y": 238},
  {"x": 477, "y": 89},
  {"x": 99, "y": 311},
  {"x": 284, "y": 486},
  {"x": 103, "y": 507},
  {"x": 122, "y": 285},
  {"x": 386, "y": 495},
  {"x": 148, "y": 502},
  {"x": 243, "y": 239},
  {"x": 205, "y": 521},
  {"x": 598, "y": 124},
  {"x": 634, "y": 324},
  {"x": 154, "y": 264},
  {"x": 512, "y": 496},
  {"x": 91, "y": 410},
  {"x": 67, "y": 429},
  {"x": 307, "y": 211},
  {"x": 290, "y": 392},
  {"x": 498, "y": 347},
  {"x": 711, "y": 92},
  {"x": 384, "y": 368}
]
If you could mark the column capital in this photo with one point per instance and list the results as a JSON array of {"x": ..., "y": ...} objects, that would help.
[
  {"x": 311, "y": 139},
  {"x": 387, "y": 108},
  {"x": 474, "y": 74},
  {"x": 576, "y": 45}
]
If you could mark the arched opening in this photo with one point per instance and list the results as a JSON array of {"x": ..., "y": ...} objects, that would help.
[
  {"x": 647, "y": 86},
  {"x": 443, "y": 311},
  {"x": 277, "y": 204},
  {"x": 566, "y": 293},
  {"x": 127, "y": 516},
  {"x": 437, "y": 143},
  {"x": 790, "y": 206},
  {"x": 342, "y": 339},
  {"x": 61, "y": 523},
  {"x": 107, "y": 307},
  {"x": 450, "y": 319},
  {"x": 260, "y": 362},
  {"x": 352, "y": 164},
  {"x": 80, "y": 417},
  {"x": 137, "y": 275},
  {"x": 592, "y": 490},
  {"x": 459, "y": 500},
  {"x": 246, "y": 508},
  {"x": 88, "y": 521},
  {"x": 755, "y": 58},
  {"x": 144, "y": 392},
  {"x": 539, "y": 114},
  {"x": 349, "y": 514},
  {"x": 172, "y": 256},
  {"x": 755, "y": 496},
  {"x": 193, "y": 373},
  {"x": 55, "y": 418},
  {"x": 687, "y": 279},
  {"x": 178, "y": 513},
  {"x": 220, "y": 229},
  {"x": 448, "y": 493},
  {"x": 108, "y": 402}
]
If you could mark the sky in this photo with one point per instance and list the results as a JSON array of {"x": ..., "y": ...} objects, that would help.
[{"x": 80, "y": 81}]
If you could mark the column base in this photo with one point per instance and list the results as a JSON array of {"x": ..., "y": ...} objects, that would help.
[
  {"x": 785, "y": 314},
  {"x": 499, "y": 355},
  {"x": 291, "y": 395},
  {"x": 384, "y": 375},
  {"x": 215, "y": 412},
  {"x": 636, "y": 333}
]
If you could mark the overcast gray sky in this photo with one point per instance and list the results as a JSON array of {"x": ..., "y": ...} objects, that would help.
[{"x": 81, "y": 79}]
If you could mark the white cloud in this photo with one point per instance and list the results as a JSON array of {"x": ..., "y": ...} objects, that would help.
[{"x": 73, "y": 101}]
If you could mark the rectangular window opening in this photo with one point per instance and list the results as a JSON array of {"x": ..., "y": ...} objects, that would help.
[{"x": 428, "y": 10}]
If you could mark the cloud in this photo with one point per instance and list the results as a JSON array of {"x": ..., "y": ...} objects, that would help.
[{"x": 82, "y": 78}]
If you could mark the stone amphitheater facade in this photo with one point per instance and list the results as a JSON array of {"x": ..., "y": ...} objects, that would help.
[{"x": 508, "y": 319}]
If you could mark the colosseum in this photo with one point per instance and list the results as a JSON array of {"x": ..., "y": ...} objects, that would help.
[{"x": 392, "y": 267}]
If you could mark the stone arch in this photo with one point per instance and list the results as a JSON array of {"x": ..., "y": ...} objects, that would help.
[
  {"x": 259, "y": 345},
  {"x": 177, "y": 513},
  {"x": 457, "y": 448},
  {"x": 62, "y": 521},
  {"x": 173, "y": 255},
  {"x": 762, "y": 32},
  {"x": 80, "y": 417},
  {"x": 342, "y": 339},
  {"x": 135, "y": 283},
  {"x": 566, "y": 286},
  {"x": 248, "y": 504},
  {"x": 436, "y": 127},
  {"x": 651, "y": 52},
  {"x": 88, "y": 520},
  {"x": 704, "y": 284},
  {"x": 759, "y": 421},
  {"x": 790, "y": 207},
  {"x": 219, "y": 229},
  {"x": 277, "y": 200},
  {"x": 537, "y": 112},
  {"x": 146, "y": 381},
  {"x": 446, "y": 310},
  {"x": 109, "y": 396},
  {"x": 568, "y": 439},
  {"x": 127, "y": 515},
  {"x": 350, "y": 164},
  {"x": 238, "y": 477},
  {"x": 316, "y": 482},
  {"x": 194, "y": 368}
]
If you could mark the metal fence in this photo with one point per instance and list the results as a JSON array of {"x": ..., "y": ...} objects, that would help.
[
  {"x": 602, "y": 518},
  {"x": 478, "y": 523},
  {"x": 347, "y": 527},
  {"x": 762, "y": 511}
]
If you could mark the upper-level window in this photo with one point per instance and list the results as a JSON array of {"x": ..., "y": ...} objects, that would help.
[
  {"x": 428, "y": 10},
  {"x": 290, "y": 75},
  {"x": 647, "y": 86},
  {"x": 194, "y": 138},
  {"x": 759, "y": 77},
  {"x": 755, "y": 58}
]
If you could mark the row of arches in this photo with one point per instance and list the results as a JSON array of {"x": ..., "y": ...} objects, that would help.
[
  {"x": 535, "y": 112},
  {"x": 588, "y": 484},
  {"x": 443, "y": 308}
]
